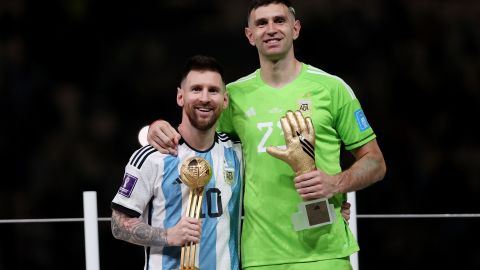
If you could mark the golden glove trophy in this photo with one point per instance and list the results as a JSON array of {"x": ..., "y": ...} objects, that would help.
[
  {"x": 195, "y": 172},
  {"x": 299, "y": 137}
]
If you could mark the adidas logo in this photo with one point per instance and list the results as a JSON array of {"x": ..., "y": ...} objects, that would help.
[{"x": 250, "y": 112}]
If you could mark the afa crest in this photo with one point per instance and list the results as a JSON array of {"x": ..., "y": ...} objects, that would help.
[
  {"x": 229, "y": 174},
  {"x": 305, "y": 106}
]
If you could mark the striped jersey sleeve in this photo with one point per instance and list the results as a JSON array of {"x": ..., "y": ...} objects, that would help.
[{"x": 136, "y": 189}]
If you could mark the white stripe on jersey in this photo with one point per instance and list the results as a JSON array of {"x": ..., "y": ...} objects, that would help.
[{"x": 314, "y": 70}]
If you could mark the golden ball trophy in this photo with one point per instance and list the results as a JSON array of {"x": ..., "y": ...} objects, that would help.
[{"x": 195, "y": 172}]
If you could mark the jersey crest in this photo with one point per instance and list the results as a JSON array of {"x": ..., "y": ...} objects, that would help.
[
  {"x": 305, "y": 106},
  {"x": 228, "y": 173}
]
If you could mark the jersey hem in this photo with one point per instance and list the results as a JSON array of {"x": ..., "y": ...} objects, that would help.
[
  {"x": 361, "y": 142},
  {"x": 127, "y": 211},
  {"x": 320, "y": 258}
]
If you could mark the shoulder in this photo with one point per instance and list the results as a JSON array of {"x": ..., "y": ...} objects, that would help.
[
  {"x": 226, "y": 140},
  {"x": 327, "y": 80},
  {"x": 144, "y": 155},
  {"x": 318, "y": 75},
  {"x": 230, "y": 144},
  {"x": 243, "y": 81}
]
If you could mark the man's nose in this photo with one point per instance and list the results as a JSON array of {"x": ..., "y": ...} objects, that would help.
[
  {"x": 271, "y": 28},
  {"x": 204, "y": 95}
]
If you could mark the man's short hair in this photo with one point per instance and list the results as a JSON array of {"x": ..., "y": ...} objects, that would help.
[
  {"x": 202, "y": 63},
  {"x": 254, "y": 4}
]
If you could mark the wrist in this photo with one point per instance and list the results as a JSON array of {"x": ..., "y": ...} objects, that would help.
[
  {"x": 165, "y": 239},
  {"x": 340, "y": 181}
]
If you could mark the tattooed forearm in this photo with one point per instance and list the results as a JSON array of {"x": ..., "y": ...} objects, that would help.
[
  {"x": 135, "y": 231},
  {"x": 363, "y": 173}
]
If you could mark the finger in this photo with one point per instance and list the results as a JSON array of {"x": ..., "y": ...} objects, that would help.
[
  {"x": 311, "y": 130},
  {"x": 193, "y": 239},
  {"x": 308, "y": 190},
  {"x": 177, "y": 138},
  {"x": 307, "y": 182},
  {"x": 159, "y": 148},
  {"x": 165, "y": 137},
  {"x": 311, "y": 196},
  {"x": 305, "y": 176},
  {"x": 194, "y": 233},
  {"x": 309, "y": 123},
  {"x": 287, "y": 129},
  {"x": 173, "y": 135},
  {"x": 166, "y": 143},
  {"x": 277, "y": 152},
  {"x": 302, "y": 125},
  {"x": 293, "y": 123}
]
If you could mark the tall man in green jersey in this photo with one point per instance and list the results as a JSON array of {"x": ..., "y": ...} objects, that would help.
[{"x": 272, "y": 191}]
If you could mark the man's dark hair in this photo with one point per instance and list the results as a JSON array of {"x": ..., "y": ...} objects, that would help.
[
  {"x": 202, "y": 63},
  {"x": 254, "y": 4}
]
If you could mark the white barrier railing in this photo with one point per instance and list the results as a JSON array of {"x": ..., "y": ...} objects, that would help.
[
  {"x": 92, "y": 257},
  {"x": 352, "y": 199}
]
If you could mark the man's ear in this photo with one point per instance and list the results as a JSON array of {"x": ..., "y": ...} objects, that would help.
[
  {"x": 180, "y": 101},
  {"x": 249, "y": 35},
  {"x": 226, "y": 100},
  {"x": 296, "y": 29}
]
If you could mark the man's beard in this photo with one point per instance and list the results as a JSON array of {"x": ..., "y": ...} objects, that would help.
[{"x": 202, "y": 125}]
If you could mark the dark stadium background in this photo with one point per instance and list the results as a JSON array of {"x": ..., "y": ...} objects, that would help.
[{"x": 79, "y": 78}]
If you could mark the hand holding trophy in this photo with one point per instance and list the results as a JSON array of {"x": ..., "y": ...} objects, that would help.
[
  {"x": 195, "y": 172},
  {"x": 300, "y": 155}
]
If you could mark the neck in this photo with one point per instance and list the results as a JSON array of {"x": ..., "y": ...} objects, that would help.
[
  {"x": 278, "y": 73},
  {"x": 198, "y": 139}
]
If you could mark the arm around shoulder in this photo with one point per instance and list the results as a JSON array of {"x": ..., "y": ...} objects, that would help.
[{"x": 163, "y": 137}]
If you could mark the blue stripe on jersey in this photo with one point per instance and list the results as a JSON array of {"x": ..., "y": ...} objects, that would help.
[
  {"x": 234, "y": 208},
  {"x": 209, "y": 227},
  {"x": 172, "y": 192}
]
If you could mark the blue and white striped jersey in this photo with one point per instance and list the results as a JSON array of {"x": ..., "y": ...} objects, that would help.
[{"x": 152, "y": 189}]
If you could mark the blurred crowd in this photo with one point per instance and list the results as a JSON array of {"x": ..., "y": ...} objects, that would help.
[{"x": 79, "y": 78}]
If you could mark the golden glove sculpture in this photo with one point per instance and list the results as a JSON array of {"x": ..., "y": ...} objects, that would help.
[
  {"x": 300, "y": 139},
  {"x": 300, "y": 155}
]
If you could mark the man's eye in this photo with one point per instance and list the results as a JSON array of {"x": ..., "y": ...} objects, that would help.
[{"x": 261, "y": 23}]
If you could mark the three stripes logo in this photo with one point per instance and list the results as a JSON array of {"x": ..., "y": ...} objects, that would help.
[
  {"x": 141, "y": 155},
  {"x": 306, "y": 146}
]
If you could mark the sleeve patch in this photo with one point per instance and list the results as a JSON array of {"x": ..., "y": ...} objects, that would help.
[
  {"x": 361, "y": 120},
  {"x": 128, "y": 184}
]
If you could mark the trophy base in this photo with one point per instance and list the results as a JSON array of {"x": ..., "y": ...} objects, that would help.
[{"x": 187, "y": 268}]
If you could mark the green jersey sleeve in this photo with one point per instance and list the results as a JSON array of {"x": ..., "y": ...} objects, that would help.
[{"x": 351, "y": 122}]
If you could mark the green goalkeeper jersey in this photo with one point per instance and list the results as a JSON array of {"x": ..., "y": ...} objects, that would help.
[{"x": 270, "y": 198}]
